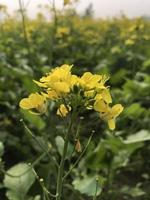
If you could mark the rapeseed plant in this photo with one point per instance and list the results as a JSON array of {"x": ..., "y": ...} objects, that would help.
[{"x": 72, "y": 95}]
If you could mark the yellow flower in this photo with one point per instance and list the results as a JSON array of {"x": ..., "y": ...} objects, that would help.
[
  {"x": 101, "y": 84},
  {"x": 58, "y": 80},
  {"x": 89, "y": 80},
  {"x": 101, "y": 106},
  {"x": 63, "y": 111},
  {"x": 61, "y": 88},
  {"x": 89, "y": 93},
  {"x": 51, "y": 94},
  {"x": 105, "y": 95},
  {"x": 111, "y": 115},
  {"x": 74, "y": 80},
  {"x": 34, "y": 100},
  {"x": 107, "y": 113}
]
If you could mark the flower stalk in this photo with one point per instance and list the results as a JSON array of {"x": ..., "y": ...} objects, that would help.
[{"x": 62, "y": 162}]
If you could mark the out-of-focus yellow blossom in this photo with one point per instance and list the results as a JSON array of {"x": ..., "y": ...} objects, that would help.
[
  {"x": 67, "y": 2},
  {"x": 34, "y": 100},
  {"x": 129, "y": 42},
  {"x": 63, "y": 111},
  {"x": 62, "y": 31}
]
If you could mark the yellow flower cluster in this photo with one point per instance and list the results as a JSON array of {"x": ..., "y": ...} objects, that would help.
[{"x": 72, "y": 92}]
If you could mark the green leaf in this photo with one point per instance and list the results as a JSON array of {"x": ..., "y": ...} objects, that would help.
[
  {"x": 134, "y": 191},
  {"x": 87, "y": 185},
  {"x": 134, "y": 111},
  {"x": 140, "y": 136},
  {"x": 96, "y": 159},
  {"x": 18, "y": 181},
  {"x": 60, "y": 145}
]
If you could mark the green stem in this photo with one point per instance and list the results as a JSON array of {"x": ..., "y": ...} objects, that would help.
[
  {"x": 77, "y": 161},
  {"x": 21, "y": 4},
  {"x": 61, "y": 166},
  {"x": 94, "y": 198}
]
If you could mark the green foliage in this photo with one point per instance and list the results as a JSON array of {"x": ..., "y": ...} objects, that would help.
[
  {"x": 87, "y": 185},
  {"x": 18, "y": 181}
]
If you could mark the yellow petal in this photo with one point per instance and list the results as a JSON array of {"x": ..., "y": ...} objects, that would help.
[
  {"x": 40, "y": 84},
  {"x": 61, "y": 87},
  {"x": 98, "y": 97},
  {"x": 100, "y": 106},
  {"x": 116, "y": 110},
  {"x": 111, "y": 124},
  {"x": 52, "y": 94},
  {"x": 106, "y": 96},
  {"x": 63, "y": 111},
  {"x": 25, "y": 104},
  {"x": 89, "y": 93},
  {"x": 34, "y": 100}
]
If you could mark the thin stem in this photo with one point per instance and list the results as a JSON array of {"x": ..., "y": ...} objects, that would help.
[
  {"x": 94, "y": 198},
  {"x": 24, "y": 27},
  {"x": 61, "y": 166},
  {"x": 53, "y": 31},
  {"x": 21, "y": 4},
  {"x": 46, "y": 193},
  {"x": 41, "y": 146},
  {"x": 77, "y": 161}
]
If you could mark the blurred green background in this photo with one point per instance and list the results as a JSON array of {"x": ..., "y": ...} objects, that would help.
[{"x": 118, "y": 47}]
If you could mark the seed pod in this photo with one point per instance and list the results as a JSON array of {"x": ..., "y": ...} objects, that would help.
[{"x": 78, "y": 147}]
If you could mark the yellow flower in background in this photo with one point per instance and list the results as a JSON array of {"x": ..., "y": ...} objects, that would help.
[
  {"x": 129, "y": 42},
  {"x": 34, "y": 100},
  {"x": 62, "y": 31},
  {"x": 66, "y": 2},
  {"x": 63, "y": 111}
]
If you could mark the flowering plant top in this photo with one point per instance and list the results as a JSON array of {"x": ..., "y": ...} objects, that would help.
[{"x": 71, "y": 92}]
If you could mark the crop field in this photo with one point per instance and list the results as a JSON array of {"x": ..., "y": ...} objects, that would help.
[{"x": 74, "y": 106}]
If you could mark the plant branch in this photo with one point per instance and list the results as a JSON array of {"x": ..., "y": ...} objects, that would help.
[
  {"x": 77, "y": 161},
  {"x": 61, "y": 166},
  {"x": 41, "y": 146}
]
